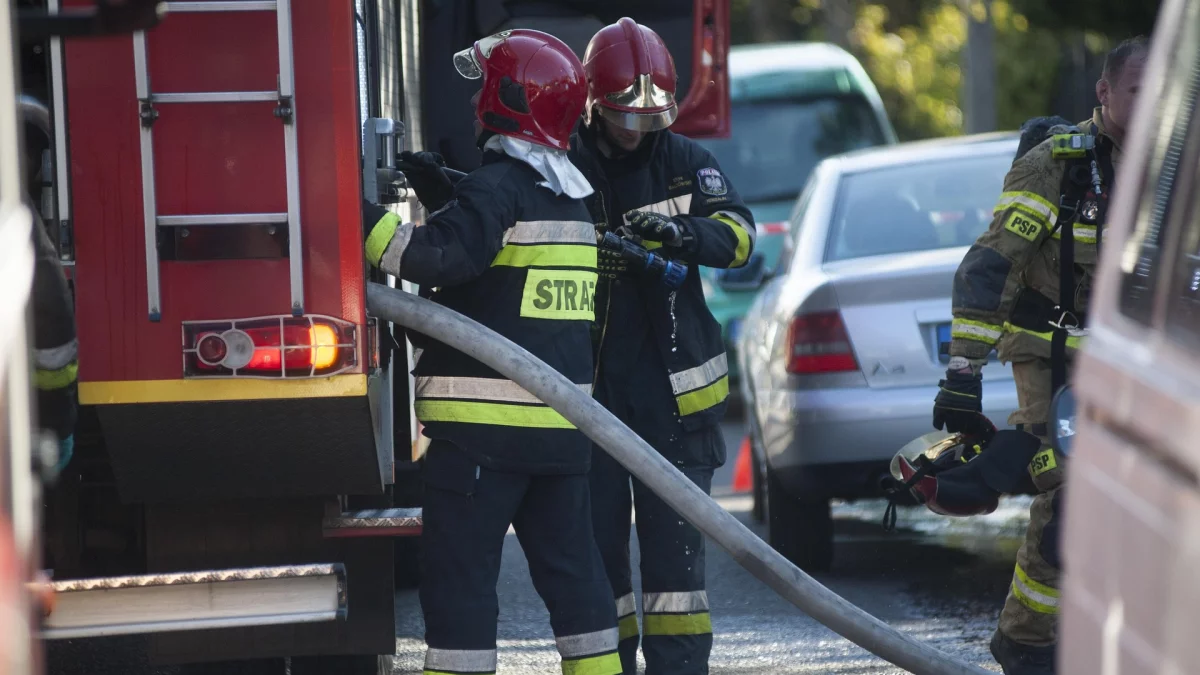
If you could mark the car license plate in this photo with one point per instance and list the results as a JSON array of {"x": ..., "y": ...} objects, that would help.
[{"x": 943, "y": 336}]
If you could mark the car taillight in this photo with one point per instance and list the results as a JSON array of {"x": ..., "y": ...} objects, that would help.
[
  {"x": 280, "y": 346},
  {"x": 818, "y": 343}
]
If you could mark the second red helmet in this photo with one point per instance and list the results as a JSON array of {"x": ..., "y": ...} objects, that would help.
[
  {"x": 631, "y": 77},
  {"x": 533, "y": 85}
]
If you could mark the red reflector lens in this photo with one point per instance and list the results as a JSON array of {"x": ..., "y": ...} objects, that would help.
[
  {"x": 818, "y": 343},
  {"x": 212, "y": 349},
  {"x": 270, "y": 347}
]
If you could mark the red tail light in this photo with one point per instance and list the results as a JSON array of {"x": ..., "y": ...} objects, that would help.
[
  {"x": 280, "y": 346},
  {"x": 773, "y": 228},
  {"x": 818, "y": 343}
]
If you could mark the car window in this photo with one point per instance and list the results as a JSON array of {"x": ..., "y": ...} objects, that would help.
[
  {"x": 919, "y": 206},
  {"x": 775, "y": 144},
  {"x": 1182, "y": 316}
]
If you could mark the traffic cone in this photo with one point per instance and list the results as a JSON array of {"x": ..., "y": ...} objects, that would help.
[{"x": 742, "y": 482}]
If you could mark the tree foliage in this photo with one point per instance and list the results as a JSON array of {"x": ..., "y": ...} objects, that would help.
[{"x": 914, "y": 49}]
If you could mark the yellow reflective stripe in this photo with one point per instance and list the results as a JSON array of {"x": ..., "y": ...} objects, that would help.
[
  {"x": 1037, "y": 596},
  {"x": 627, "y": 627},
  {"x": 500, "y": 414},
  {"x": 381, "y": 235},
  {"x": 559, "y": 294},
  {"x": 979, "y": 331},
  {"x": 1073, "y": 341},
  {"x": 56, "y": 379},
  {"x": 546, "y": 255},
  {"x": 1084, "y": 234},
  {"x": 1042, "y": 462},
  {"x": 605, "y": 664},
  {"x": 651, "y": 245},
  {"x": 702, "y": 399},
  {"x": 699, "y": 623},
  {"x": 742, "y": 253},
  {"x": 1031, "y": 202}
]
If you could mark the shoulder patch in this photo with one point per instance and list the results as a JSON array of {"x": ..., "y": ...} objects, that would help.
[
  {"x": 1022, "y": 225},
  {"x": 711, "y": 182}
]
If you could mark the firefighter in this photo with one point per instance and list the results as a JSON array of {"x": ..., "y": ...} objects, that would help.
[
  {"x": 1023, "y": 289},
  {"x": 512, "y": 247},
  {"x": 56, "y": 351},
  {"x": 661, "y": 365}
]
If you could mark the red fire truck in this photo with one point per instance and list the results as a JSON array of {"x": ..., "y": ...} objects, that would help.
[{"x": 243, "y": 480}]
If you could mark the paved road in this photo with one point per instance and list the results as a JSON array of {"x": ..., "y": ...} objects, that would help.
[{"x": 940, "y": 582}]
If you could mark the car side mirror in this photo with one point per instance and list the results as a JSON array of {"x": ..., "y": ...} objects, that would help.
[
  {"x": 1062, "y": 412},
  {"x": 749, "y": 277}
]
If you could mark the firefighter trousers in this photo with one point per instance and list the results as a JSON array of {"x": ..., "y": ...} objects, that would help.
[
  {"x": 676, "y": 636},
  {"x": 467, "y": 510},
  {"x": 1030, "y": 614}
]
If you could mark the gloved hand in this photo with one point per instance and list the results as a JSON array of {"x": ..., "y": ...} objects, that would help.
[
  {"x": 959, "y": 404},
  {"x": 652, "y": 226},
  {"x": 609, "y": 263},
  {"x": 425, "y": 175}
]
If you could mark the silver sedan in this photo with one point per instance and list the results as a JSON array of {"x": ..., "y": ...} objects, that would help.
[{"x": 842, "y": 351}]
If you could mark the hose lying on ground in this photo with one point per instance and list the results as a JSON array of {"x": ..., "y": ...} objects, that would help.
[{"x": 665, "y": 480}]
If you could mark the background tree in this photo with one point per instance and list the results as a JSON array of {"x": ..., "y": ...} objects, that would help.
[{"x": 1047, "y": 53}]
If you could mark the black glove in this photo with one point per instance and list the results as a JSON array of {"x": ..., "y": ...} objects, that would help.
[
  {"x": 652, "y": 226},
  {"x": 610, "y": 263},
  {"x": 959, "y": 404},
  {"x": 425, "y": 175}
]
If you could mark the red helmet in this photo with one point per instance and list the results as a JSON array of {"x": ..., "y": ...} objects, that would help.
[
  {"x": 631, "y": 77},
  {"x": 533, "y": 85}
]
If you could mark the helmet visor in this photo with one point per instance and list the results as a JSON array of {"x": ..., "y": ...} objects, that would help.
[
  {"x": 646, "y": 122},
  {"x": 467, "y": 65},
  {"x": 466, "y": 62}
]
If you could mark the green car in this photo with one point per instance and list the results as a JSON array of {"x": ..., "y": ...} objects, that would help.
[{"x": 794, "y": 104}]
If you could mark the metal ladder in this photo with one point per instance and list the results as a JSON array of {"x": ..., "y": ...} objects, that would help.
[{"x": 285, "y": 111}]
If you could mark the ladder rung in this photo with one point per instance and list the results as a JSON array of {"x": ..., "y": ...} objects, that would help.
[
  {"x": 222, "y": 219},
  {"x": 257, "y": 6},
  {"x": 216, "y": 97}
]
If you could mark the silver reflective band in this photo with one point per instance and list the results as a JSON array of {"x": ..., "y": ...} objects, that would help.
[
  {"x": 390, "y": 262},
  {"x": 964, "y": 329},
  {"x": 587, "y": 644},
  {"x": 461, "y": 660},
  {"x": 467, "y": 65},
  {"x": 56, "y": 357},
  {"x": 551, "y": 232},
  {"x": 626, "y": 605},
  {"x": 675, "y": 206},
  {"x": 675, "y": 603},
  {"x": 1036, "y": 596},
  {"x": 700, "y": 376},
  {"x": 478, "y": 388}
]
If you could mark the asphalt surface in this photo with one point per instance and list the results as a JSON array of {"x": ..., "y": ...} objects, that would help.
[{"x": 940, "y": 580}]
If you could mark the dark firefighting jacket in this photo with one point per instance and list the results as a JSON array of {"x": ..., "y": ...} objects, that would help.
[
  {"x": 55, "y": 349},
  {"x": 674, "y": 176},
  {"x": 1008, "y": 288},
  {"x": 522, "y": 261}
]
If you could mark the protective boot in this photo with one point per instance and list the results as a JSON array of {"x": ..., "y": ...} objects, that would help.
[{"x": 1018, "y": 659}]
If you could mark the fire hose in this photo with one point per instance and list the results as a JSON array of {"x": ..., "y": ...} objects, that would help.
[{"x": 688, "y": 500}]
